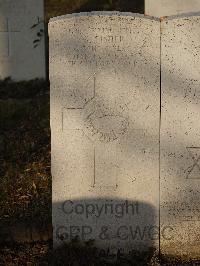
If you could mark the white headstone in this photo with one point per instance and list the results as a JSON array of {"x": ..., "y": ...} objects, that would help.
[
  {"x": 180, "y": 135},
  {"x": 124, "y": 173},
  {"x": 105, "y": 78},
  {"x": 22, "y": 49},
  {"x": 161, "y": 8}
]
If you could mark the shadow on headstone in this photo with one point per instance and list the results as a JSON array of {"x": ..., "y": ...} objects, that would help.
[{"x": 104, "y": 230}]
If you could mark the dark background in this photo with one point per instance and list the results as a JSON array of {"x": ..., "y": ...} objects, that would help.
[{"x": 60, "y": 7}]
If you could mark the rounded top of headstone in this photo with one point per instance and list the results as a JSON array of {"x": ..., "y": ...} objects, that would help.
[
  {"x": 102, "y": 13},
  {"x": 181, "y": 16}
]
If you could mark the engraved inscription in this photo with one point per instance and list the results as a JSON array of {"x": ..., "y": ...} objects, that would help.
[
  {"x": 193, "y": 171},
  {"x": 106, "y": 127}
]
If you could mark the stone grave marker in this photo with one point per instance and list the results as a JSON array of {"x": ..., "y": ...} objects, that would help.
[
  {"x": 125, "y": 131},
  {"x": 180, "y": 134},
  {"x": 105, "y": 91},
  {"x": 22, "y": 41},
  {"x": 161, "y": 8}
]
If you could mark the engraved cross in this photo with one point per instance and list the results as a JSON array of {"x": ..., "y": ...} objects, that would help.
[{"x": 7, "y": 33}]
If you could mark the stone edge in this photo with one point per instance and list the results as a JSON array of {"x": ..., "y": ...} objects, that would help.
[
  {"x": 183, "y": 15},
  {"x": 102, "y": 13},
  {"x": 123, "y": 14}
]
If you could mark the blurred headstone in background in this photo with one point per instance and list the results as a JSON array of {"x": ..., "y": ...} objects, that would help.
[
  {"x": 22, "y": 40},
  {"x": 161, "y": 8}
]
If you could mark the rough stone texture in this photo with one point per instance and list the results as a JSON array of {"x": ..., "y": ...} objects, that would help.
[
  {"x": 18, "y": 57},
  {"x": 161, "y": 8},
  {"x": 180, "y": 135},
  {"x": 104, "y": 73}
]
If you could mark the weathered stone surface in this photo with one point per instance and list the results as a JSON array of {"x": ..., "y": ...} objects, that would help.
[
  {"x": 161, "y": 8},
  {"x": 22, "y": 57},
  {"x": 180, "y": 135},
  {"x": 105, "y": 75}
]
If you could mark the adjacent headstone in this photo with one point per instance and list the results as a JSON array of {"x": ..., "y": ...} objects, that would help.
[
  {"x": 161, "y": 8},
  {"x": 180, "y": 135},
  {"x": 105, "y": 100},
  {"x": 22, "y": 49}
]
